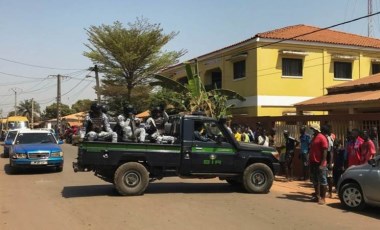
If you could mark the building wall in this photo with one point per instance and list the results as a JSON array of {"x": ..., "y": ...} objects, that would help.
[{"x": 269, "y": 93}]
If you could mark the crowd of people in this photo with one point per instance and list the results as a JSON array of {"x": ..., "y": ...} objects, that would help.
[{"x": 322, "y": 156}]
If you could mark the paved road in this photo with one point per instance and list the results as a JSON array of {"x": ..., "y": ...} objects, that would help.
[{"x": 43, "y": 199}]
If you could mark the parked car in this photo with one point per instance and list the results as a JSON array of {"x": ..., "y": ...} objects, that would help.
[
  {"x": 35, "y": 148},
  {"x": 360, "y": 185},
  {"x": 8, "y": 141}
]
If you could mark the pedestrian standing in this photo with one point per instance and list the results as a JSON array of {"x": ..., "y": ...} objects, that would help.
[
  {"x": 354, "y": 149},
  {"x": 368, "y": 149},
  {"x": 318, "y": 164},
  {"x": 330, "y": 158},
  {"x": 304, "y": 152},
  {"x": 375, "y": 138},
  {"x": 290, "y": 145},
  {"x": 339, "y": 161}
]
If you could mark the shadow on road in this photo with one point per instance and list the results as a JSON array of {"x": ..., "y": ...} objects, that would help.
[
  {"x": 181, "y": 187},
  {"x": 373, "y": 212},
  {"x": 153, "y": 188},
  {"x": 296, "y": 196},
  {"x": 88, "y": 191},
  {"x": 28, "y": 171}
]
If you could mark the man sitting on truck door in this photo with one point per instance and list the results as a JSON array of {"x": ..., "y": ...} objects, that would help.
[
  {"x": 155, "y": 126},
  {"x": 97, "y": 125},
  {"x": 131, "y": 126}
]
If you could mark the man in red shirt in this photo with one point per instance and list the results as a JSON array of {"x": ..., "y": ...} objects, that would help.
[
  {"x": 368, "y": 149},
  {"x": 354, "y": 152},
  {"x": 318, "y": 163}
]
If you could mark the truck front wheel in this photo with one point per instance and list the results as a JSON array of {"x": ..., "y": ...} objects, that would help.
[
  {"x": 131, "y": 179},
  {"x": 258, "y": 178}
]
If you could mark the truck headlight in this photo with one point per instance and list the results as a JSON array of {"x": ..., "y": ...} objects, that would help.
[{"x": 57, "y": 154}]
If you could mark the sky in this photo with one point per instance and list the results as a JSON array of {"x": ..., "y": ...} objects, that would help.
[{"x": 40, "y": 39}]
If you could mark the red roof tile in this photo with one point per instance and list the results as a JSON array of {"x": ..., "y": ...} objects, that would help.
[
  {"x": 323, "y": 36},
  {"x": 372, "y": 79}
]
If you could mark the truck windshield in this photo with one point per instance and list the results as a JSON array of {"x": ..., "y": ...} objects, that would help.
[{"x": 29, "y": 138}]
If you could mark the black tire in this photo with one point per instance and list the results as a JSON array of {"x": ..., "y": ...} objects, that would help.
[
  {"x": 258, "y": 178},
  {"x": 131, "y": 179},
  {"x": 351, "y": 197},
  {"x": 59, "y": 168}
]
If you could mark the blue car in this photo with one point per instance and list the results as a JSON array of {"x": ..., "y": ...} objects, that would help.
[{"x": 35, "y": 149}]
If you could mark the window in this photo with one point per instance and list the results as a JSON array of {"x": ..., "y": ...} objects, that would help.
[
  {"x": 343, "y": 70},
  {"x": 292, "y": 67},
  {"x": 216, "y": 80},
  {"x": 182, "y": 80},
  {"x": 239, "y": 69},
  {"x": 375, "y": 68}
]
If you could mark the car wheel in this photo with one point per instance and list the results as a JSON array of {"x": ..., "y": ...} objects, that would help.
[
  {"x": 131, "y": 179},
  {"x": 258, "y": 178},
  {"x": 351, "y": 196},
  {"x": 59, "y": 168}
]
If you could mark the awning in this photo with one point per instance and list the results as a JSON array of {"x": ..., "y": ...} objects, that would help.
[
  {"x": 329, "y": 101},
  {"x": 144, "y": 114}
]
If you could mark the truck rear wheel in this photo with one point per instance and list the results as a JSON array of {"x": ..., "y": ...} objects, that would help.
[
  {"x": 258, "y": 178},
  {"x": 131, "y": 179}
]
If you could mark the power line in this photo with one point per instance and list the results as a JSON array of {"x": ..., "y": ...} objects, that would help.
[
  {"x": 317, "y": 30},
  {"x": 15, "y": 75},
  {"x": 36, "y": 66}
]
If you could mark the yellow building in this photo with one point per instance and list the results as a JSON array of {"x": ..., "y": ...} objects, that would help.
[{"x": 276, "y": 69}]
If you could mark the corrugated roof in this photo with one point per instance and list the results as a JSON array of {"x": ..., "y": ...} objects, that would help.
[{"x": 343, "y": 98}]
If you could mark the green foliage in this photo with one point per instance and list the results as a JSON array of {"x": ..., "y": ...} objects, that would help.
[
  {"x": 194, "y": 96},
  {"x": 130, "y": 54},
  {"x": 81, "y": 106},
  {"x": 50, "y": 111},
  {"x": 25, "y": 109}
]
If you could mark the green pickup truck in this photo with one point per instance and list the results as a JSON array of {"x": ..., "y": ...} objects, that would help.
[{"x": 131, "y": 166}]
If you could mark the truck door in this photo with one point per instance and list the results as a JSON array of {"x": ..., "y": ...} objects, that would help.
[{"x": 208, "y": 153}]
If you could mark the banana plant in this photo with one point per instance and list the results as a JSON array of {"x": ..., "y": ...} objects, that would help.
[{"x": 195, "y": 97}]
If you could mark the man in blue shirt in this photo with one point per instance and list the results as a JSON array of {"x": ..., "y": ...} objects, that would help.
[{"x": 304, "y": 153}]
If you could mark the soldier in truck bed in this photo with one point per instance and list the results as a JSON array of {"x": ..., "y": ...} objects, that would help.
[{"x": 97, "y": 125}]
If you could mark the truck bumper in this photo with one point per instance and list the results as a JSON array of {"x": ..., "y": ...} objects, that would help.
[{"x": 27, "y": 163}]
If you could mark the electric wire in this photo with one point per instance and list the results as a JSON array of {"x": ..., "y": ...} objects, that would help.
[{"x": 36, "y": 66}]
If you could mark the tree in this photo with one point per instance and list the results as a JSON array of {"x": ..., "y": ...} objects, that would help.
[
  {"x": 81, "y": 106},
  {"x": 196, "y": 98},
  {"x": 50, "y": 111},
  {"x": 25, "y": 109},
  {"x": 131, "y": 54}
]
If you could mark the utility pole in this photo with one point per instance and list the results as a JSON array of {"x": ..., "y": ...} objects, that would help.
[
  {"x": 370, "y": 19},
  {"x": 32, "y": 119},
  {"x": 97, "y": 87},
  {"x": 59, "y": 102},
  {"x": 58, "y": 76},
  {"x": 97, "y": 83},
  {"x": 15, "y": 90}
]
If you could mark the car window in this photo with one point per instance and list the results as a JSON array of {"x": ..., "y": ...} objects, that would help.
[
  {"x": 29, "y": 138},
  {"x": 11, "y": 135}
]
